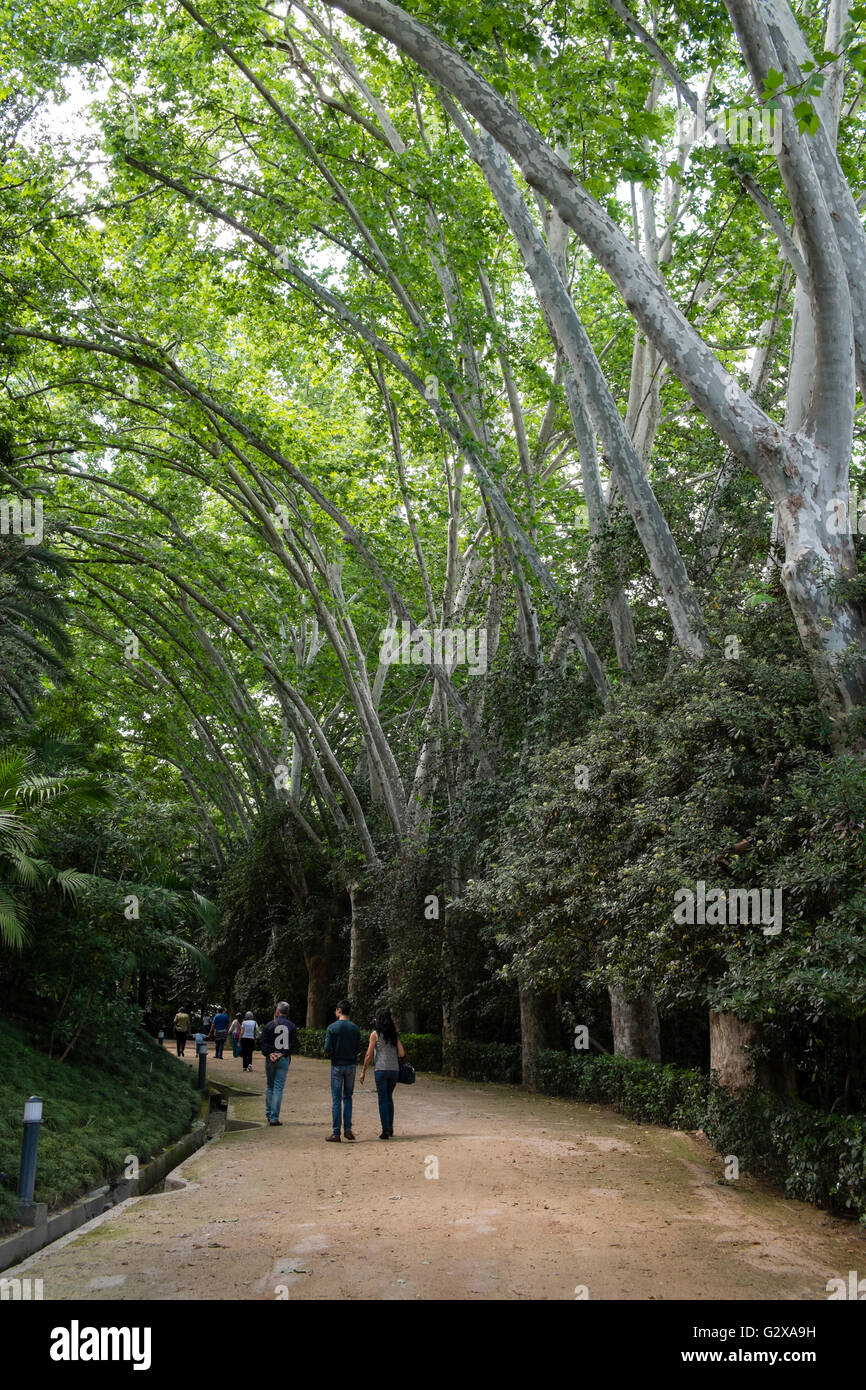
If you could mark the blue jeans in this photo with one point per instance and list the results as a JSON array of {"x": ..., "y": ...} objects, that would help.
[
  {"x": 275, "y": 1075},
  {"x": 385, "y": 1083},
  {"x": 342, "y": 1089}
]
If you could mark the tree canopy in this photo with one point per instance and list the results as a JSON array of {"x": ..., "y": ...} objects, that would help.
[{"x": 445, "y": 424}]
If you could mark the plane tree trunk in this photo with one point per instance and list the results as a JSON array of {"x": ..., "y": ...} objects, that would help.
[
  {"x": 635, "y": 1024},
  {"x": 538, "y": 1032}
]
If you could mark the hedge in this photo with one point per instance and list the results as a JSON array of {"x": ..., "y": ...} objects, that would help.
[
  {"x": 662, "y": 1095},
  {"x": 424, "y": 1050},
  {"x": 476, "y": 1061},
  {"x": 473, "y": 1061},
  {"x": 818, "y": 1157}
]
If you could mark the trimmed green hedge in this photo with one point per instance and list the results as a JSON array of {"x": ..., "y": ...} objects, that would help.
[
  {"x": 312, "y": 1041},
  {"x": 484, "y": 1061},
  {"x": 473, "y": 1061},
  {"x": 662, "y": 1095},
  {"x": 817, "y": 1157},
  {"x": 424, "y": 1050}
]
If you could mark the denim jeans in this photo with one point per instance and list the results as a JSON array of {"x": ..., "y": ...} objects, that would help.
[
  {"x": 385, "y": 1083},
  {"x": 342, "y": 1089},
  {"x": 275, "y": 1075}
]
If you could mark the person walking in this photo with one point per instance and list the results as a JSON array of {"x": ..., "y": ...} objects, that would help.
[
  {"x": 235, "y": 1036},
  {"x": 206, "y": 1021},
  {"x": 219, "y": 1031},
  {"x": 386, "y": 1051},
  {"x": 342, "y": 1044},
  {"x": 248, "y": 1034},
  {"x": 279, "y": 1040},
  {"x": 181, "y": 1030}
]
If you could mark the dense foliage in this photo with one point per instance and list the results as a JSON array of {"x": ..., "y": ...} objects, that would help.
[{"x": 311, "y": 348}]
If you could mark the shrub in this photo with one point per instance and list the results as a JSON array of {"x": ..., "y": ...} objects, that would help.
[
  {"x": 817, "y": 1157},
  {"x": 644, "y": 1090},
  {"x": 311, "y": 1042},
  {"x": 476, "y": 1061},
  {"x": 423, "y": 1049}
]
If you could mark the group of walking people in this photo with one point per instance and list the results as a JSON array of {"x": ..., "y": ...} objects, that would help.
[
  {"x": 243, "y": 1034},
  {"x": 278, "y": 1041}
]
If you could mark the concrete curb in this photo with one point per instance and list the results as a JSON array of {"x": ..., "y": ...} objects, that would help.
[{"x": 47, "y": 1229}]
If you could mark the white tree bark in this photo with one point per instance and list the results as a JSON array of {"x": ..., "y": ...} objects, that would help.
[
  {"x": 664, "y": 557},
  {"x": 802, "y": 472}
]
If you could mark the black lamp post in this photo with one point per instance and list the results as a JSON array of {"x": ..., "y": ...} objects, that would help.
[{"x": 29, "y": 1150}]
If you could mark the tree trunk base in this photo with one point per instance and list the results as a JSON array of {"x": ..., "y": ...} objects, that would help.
[
  {"x": 538, "y": 1028},
  {"x": 729, "y": 1036},
  {"x": 635, "y": 1025}
]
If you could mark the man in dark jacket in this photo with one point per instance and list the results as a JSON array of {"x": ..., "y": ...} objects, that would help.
[{"x": 278, "y": 1041}]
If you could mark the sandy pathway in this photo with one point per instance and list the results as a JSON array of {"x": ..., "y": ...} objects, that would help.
[{"x": 535, "y": 1198}]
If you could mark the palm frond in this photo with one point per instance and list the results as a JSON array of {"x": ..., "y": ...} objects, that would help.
[
  {"x": 42, "y": 620},
  {"x": 203, "y": 961},
  {"x": 71, "y": 881},
  {"x": 13, "y": 922},
  {"x": 33, "y": 873}
]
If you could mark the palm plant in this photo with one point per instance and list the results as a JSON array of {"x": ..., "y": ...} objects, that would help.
[{"x": 22, "y": 794}]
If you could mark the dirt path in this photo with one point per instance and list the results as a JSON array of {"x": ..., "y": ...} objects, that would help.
[{"x": 535, "y": 1197}]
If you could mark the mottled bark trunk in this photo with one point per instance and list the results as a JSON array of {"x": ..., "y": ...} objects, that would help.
[
  {"x": 452, "y": 963},
  {"x": 817, "y": 558},
  {"x": 538, "y": 1031},
  {"x": 405, "y": 1010},
  {"x": 597, "y": 515},
  {"x": 659, "y": 544},
  {"x": 319, "y": 958},
  {"x": 635, "y": 1024},
  {"x": 833, "y": 247},
  {"x": 452, "y": 1012},
  {"x": 318, "y": 978},
  {"x": 358, "y": 897},
  {"x": 737, "y": 1069},
  {"x": 729, "y": 1037}
]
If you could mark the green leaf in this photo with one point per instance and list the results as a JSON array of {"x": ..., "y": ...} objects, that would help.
[{"x": 772, "y": 82}]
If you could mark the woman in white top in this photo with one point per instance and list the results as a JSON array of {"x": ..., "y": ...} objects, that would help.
[{"x": 249, "y": 1033}]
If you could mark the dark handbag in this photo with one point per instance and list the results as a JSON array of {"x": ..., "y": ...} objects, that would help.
[{"x": 405, "y": 1072}]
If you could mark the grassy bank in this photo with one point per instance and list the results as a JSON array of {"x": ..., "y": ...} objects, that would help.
[{"x": 94, "y": 1114}]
